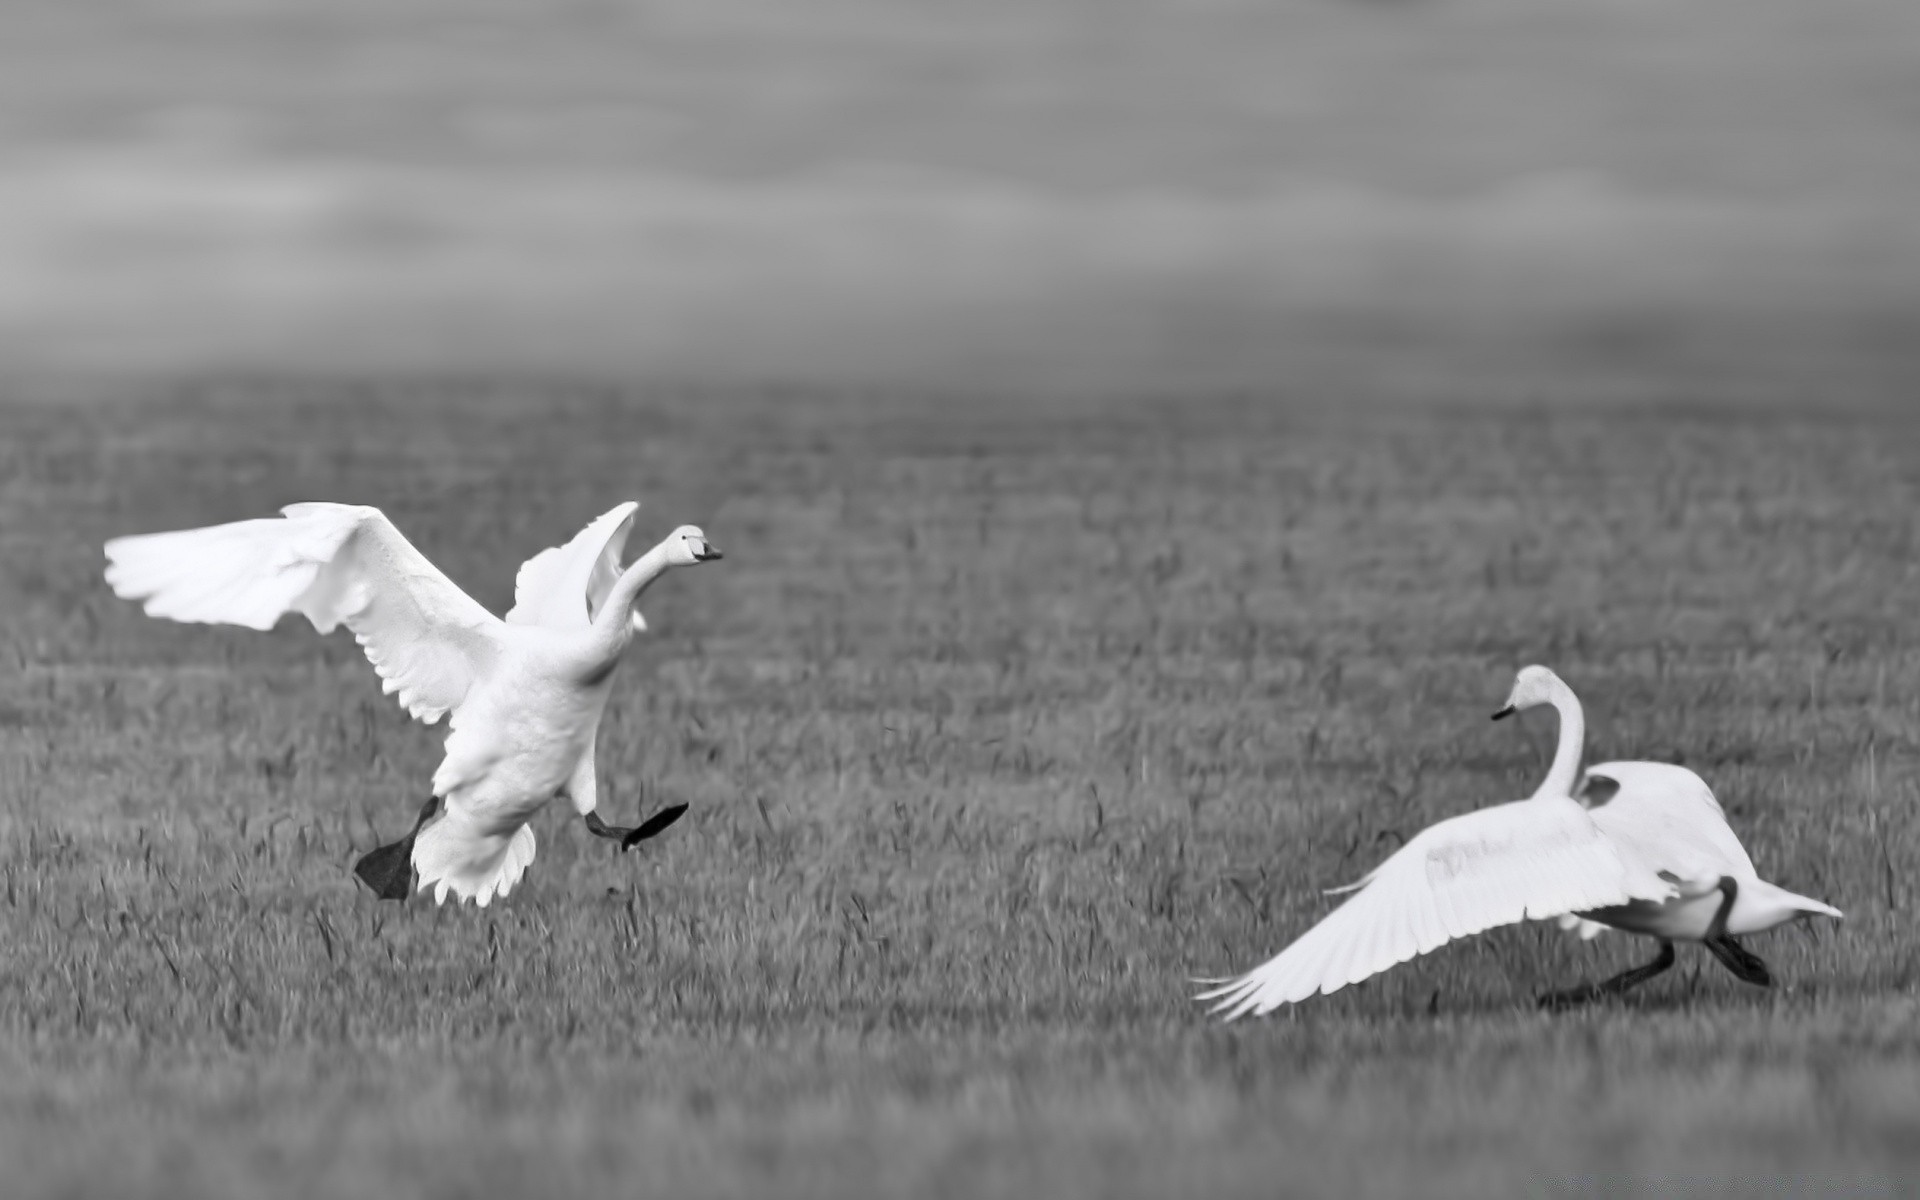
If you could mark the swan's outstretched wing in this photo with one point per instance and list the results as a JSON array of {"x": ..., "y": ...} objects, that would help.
[
  {"x": 335, "y": 564},
  {"x": 562, "y": 587},
  {"x": 1531, "y": 858}
]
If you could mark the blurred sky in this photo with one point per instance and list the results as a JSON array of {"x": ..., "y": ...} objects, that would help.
[{"x": 1003, "y": 193}]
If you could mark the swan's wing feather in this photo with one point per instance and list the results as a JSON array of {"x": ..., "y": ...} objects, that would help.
[
  {"x": 563, "y": 586},
  {"x": 1669, "y": 816},
  {"x": 333, "y": 563},
  {"x": 1529, "y": 859}
]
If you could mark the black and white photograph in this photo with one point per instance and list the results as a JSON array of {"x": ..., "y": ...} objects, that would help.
[{"x": 877, "y": 598}]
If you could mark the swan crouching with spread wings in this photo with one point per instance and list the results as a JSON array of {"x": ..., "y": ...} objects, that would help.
[
  {"x": 523, "y": 696},
  {"x": 1652, "y": 855}
]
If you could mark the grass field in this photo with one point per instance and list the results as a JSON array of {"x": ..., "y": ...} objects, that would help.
[{"x": 998, "y": 723}]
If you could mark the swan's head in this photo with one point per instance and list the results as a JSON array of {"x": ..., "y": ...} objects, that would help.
[
  {"x": 1532, "y": 687},
  {"x": 687, "y": 546}
]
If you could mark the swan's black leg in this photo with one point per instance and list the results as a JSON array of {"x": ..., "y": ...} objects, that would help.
[
  {"x": 1717, "y": 928},
  {"x": 1634, "y": 977},
  {"x": 1744, "y": 963},
  {"x": 630, "y": 837},
  {"x": 600, "y": 828},
  {"x": 653, "y": 825},
  {"x": 389, "y": 869}
]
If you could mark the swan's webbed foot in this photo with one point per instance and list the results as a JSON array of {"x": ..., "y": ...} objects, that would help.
[
  {"x": 1633, "y": 977},
  {"x": 629, "y": 837},
  {"x": 389, "y": 869},
  {"x": 1744, "y": 963}
]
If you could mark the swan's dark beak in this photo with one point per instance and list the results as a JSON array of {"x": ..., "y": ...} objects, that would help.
[
  {"x": 1508, "y": 711},
  {"x": 708, "y": 553}
]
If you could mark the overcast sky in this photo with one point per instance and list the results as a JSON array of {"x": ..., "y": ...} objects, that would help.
[{"x": 1006, "y": 192}]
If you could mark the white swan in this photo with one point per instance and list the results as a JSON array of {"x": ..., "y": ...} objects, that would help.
[
  {"x": 1540, "y": 857},
  {"x": 523, "y": 696},
  {"x": 1668, "y": 814}
]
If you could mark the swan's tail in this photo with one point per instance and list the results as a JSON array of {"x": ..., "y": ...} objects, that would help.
[
  {"x": 455, "y": 854},
  {"x": 1778, "y": 895},
  {"x": 1808, "y": 905}
]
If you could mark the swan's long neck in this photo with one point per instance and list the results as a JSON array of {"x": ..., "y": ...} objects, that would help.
[
  {"x": 613, "y": 624},
  {"x": 1565, "y": 771}
]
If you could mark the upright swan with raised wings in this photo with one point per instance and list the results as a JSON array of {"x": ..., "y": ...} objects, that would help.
[
  {"x": 523, "y": 696},
  {"x": 1656, "y": 865}
]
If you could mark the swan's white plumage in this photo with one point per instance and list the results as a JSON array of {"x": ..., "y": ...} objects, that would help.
[
  {"x": 456, "y": 854},
  {"x": 1588, "y": 930},
  {"x": 583, "y": 785},
  {"x": 1667, "y": 812},
  {"x": 1660, "y": 813},
  {"x": 335, "y": 564},
  {"x": 1654, "y": 838},
  {"x": 525, "y": 695},
  {"x": 1495, "y": 866},
  {"x": 563, "y": 586}
]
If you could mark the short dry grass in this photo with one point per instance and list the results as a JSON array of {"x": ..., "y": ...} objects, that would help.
[{"x": 998, "y": 723}]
